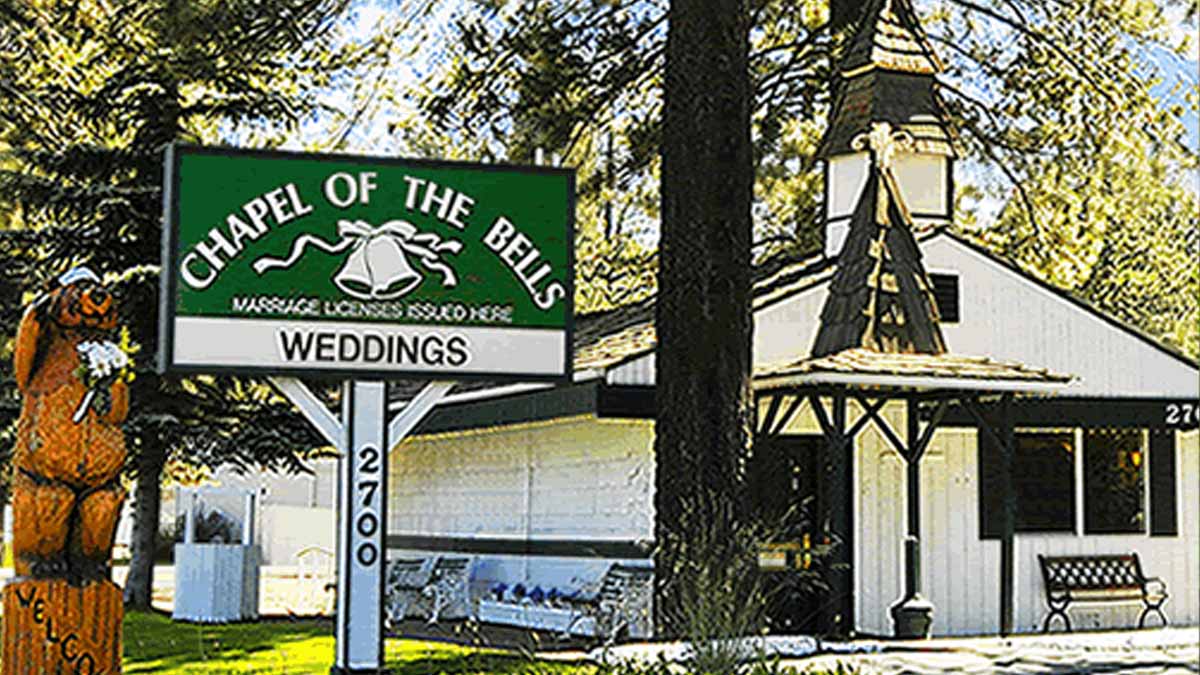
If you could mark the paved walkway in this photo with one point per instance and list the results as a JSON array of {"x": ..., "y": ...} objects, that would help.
[
  {"x": 1175, "y": 651},
  {"x": 1172, "y": 650}
]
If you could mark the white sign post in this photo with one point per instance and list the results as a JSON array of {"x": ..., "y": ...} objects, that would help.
[{"x": 360, "y": 536}]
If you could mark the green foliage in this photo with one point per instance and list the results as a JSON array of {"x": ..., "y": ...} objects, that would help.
[
  {"x": 155, "y": 644},
  {"x": 1055, "y": 106},
  {"x": 723, "y": 598},
  {"x": 92, "y": 93},
  {"x": 1097, "y": 199}
]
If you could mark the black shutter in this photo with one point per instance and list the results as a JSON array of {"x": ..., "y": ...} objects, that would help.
[
  {"x": 945, "y": 291},
  {"x": 1163, "y": 516},
  {"x": 990, "y": 501}
]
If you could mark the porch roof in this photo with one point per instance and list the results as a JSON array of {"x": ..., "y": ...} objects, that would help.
[{"x": 870, "y": 369}]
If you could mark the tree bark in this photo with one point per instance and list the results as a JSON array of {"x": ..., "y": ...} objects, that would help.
[
  {"x": 844, "y": 12},
  {"x": 703, "y": 308},
  {"x": 146, "y": 507}
]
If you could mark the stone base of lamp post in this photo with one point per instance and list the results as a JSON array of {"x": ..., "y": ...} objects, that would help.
[
  {"x": 51, "y": 626},
  {"x": 912, "y": 617}
]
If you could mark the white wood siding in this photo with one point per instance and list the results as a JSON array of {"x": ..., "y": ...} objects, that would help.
[
  {"x": 786, "y": 330},
  {"x": 1003, "y": 315},
  {"x": 961, "y": 572},
  {"x": 576, "y": 478},
  {"x": 572, "y": 479},
  {"x": 585, "y": 478},
  {"x": 1006, "y": 316},
  {"x": 638, "y": 371}
]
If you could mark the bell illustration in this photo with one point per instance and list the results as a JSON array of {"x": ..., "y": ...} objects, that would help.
[{"x": 377, "y": 269}]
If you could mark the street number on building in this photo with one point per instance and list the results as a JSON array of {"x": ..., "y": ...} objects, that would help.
[{"x": 1182, "y": 414}]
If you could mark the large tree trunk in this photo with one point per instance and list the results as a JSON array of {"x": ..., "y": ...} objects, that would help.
[
  {"x": 146, "y": 507},
  {"x": 703, "y": 311},
  {"x": 844, "y": 12}
]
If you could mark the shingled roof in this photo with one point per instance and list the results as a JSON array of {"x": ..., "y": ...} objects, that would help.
[
  {"x": 608, "y": 338},
  {"x": 881, "y": 297},
  {"x": 889, "y": 74},
  {"x": 944, "y": 371},
  {"x": 611, "y": 337},
  {"x": 889, "y": 36}
]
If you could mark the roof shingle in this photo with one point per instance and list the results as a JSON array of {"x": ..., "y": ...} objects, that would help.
[
  {"x": 868, "y": 362},
  {"x": 880, "y": 297}
]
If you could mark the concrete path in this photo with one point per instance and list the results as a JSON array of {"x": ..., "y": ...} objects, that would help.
[{"x": 1173, "y": 650}]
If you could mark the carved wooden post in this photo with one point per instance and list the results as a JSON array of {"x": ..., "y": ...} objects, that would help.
[{"x": 62, "y": 613}]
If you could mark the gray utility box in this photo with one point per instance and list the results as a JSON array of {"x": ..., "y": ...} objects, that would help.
[{"x": 217, "y": 582}]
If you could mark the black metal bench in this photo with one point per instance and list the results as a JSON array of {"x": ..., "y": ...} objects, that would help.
[{"x": 1099, "y": 578}]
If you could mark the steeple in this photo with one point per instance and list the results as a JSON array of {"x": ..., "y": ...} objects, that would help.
[
  {"x": 880, "y": 298},
  {"x": 889, "y": 37},
  {"x": 888, "y": 73}
]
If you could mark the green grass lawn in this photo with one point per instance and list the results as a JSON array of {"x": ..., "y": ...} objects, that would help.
[{"x": 155, "y": 644}]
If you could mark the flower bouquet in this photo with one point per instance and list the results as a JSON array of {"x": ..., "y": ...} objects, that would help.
[{"x": 101, "y": 363}]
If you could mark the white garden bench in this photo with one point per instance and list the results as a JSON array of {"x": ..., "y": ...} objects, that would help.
[{"x": 432, "y": 588}]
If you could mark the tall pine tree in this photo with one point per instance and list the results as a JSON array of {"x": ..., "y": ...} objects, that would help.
[
  {"x": 1072, "y": 116},
  {"x": 702, "y": 313}
]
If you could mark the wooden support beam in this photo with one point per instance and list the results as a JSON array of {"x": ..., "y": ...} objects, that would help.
[
  {"x": 788, "y": 414},
  {"x": 923, "y": 442},
  {"x": 772, "y": 410},
  {"x": 311, "y": 408},
  {"x": 886, "y": 429},
  {"x": 838, "y": 499},
  {"x": 912, "y": 551},
  {"x": 975, "y": 408},
  {"x": 1008, "y": 561},
  {"x": 865, "y": 418},
  {"x": 823, "y": 418},
  {"x": 1001, "y": 434},
  {"x": 416, "y": 410}
]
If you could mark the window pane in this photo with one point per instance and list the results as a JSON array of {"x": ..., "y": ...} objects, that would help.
[
  {"x": 945, "y": 292},
  {"x": 1113, "y": 484},
  {"x": 1044, "y": 477}
]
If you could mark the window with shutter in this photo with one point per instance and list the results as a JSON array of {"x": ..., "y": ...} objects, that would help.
[{"x": 945, "y": 292}]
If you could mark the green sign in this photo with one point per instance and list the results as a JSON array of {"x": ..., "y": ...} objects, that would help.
[{"x": 283, "y": 263}]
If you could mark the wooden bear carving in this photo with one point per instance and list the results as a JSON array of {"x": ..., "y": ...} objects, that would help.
[{"x": 66, "y": 495}]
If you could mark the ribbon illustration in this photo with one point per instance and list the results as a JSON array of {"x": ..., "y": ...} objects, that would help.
[{"x": 377, "y": 267}]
